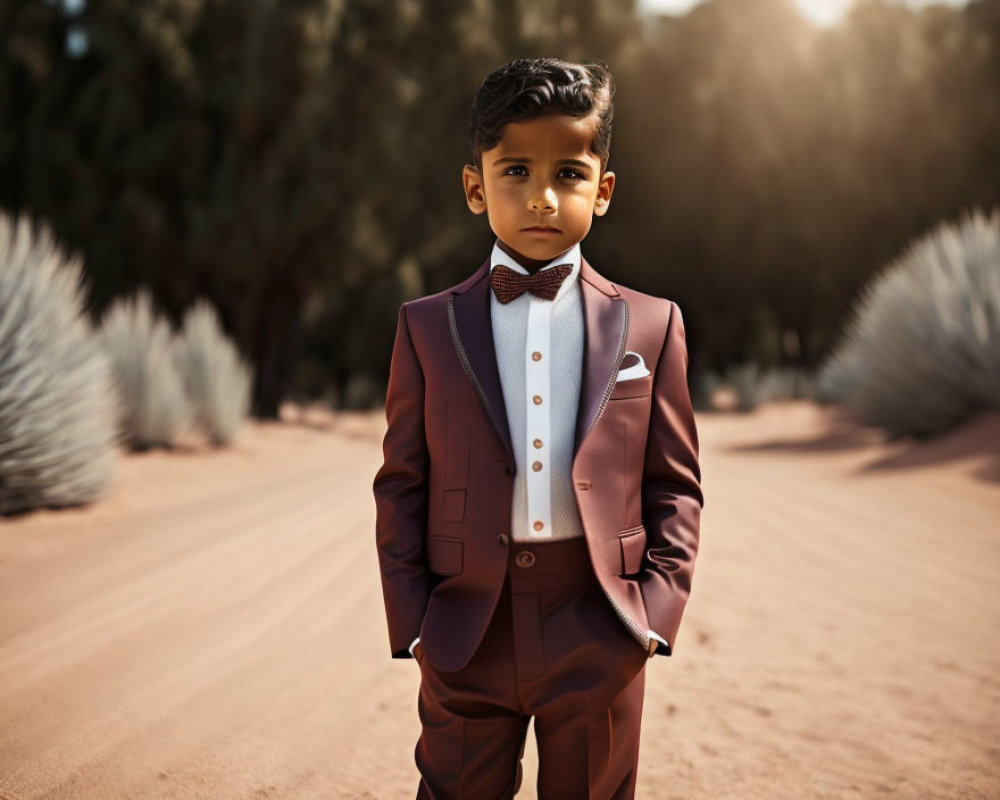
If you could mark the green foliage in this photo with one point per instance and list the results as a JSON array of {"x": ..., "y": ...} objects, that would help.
[
  {"x": 142, "y": 349},
  {"x": 57, "y": 402},
  {"x": 921, "y": 350},
  {"x": 216, "y": 378}
]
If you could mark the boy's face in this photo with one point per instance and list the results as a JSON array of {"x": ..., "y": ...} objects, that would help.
[{"x": 541, "y": 173}]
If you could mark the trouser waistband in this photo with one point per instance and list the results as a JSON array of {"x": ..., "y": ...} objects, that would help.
[{"x": 533, "y": 566}]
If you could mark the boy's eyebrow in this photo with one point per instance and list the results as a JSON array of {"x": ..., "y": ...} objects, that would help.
[{"x": 518, "y": 159}]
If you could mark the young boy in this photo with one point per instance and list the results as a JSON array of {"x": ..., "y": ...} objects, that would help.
[{"x": 538, "y": 507}]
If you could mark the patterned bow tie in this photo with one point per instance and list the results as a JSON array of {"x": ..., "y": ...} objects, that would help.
[{"x": 508, "y": 284}]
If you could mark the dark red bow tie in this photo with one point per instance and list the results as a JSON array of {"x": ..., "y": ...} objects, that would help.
[{"x": 508, "y": 284}]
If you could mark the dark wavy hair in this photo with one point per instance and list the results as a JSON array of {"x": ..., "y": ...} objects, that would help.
[{"x": 533, "y": 87}]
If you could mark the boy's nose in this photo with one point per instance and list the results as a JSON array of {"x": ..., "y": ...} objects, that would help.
[{"x": 546, "y": 198}]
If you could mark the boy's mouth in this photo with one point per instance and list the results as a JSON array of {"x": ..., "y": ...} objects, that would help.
[{"x": 542, "y": 229}]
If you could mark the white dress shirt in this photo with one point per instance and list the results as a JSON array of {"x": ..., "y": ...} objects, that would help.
[
  {"x": 540, "y": 374},
  {"x": 539, "y": 349}
]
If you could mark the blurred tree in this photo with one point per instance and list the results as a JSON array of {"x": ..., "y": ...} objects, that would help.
[
  {"x": 763, "y": 159},
  {"x": 299, "y": 162},
  {"x": 255, "y": 153},
  {"x": 265, "y": 154}
]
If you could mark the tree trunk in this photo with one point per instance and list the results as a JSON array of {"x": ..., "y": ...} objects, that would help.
[{"x": 276, "y": 338}]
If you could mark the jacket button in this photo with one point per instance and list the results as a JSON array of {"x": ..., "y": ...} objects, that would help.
[
  {"x": 524, "y": 558},
  {"x": 583, "y": 484},
  {"x": 503, "y": 538}
]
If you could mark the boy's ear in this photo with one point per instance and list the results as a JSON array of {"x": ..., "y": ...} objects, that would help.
[
  {"x": 475, "y": 195},
  {"x": 604, "y": 190}
]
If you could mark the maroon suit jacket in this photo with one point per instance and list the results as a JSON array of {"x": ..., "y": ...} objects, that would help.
[{"x": 443, "y": 494}]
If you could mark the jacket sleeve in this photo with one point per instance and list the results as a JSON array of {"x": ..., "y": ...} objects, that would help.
[
  {"x": 401, "y": 488},
  {"x": 671, "y": 489}
]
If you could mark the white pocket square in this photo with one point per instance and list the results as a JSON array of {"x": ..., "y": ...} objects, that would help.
[{"x": 637, "y": 370}]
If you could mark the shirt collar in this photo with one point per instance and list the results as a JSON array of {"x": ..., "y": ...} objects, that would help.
[{"x": 571, "y": 256}]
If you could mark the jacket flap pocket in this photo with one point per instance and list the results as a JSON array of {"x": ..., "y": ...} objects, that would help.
[
  {"x": 633, "y": 549},
  {"x": 444, "y": 555}
]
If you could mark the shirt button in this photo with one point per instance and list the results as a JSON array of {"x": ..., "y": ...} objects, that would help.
[
  {"x": 536, "y": 356},
  {"x": 537, "y": 399},
  {"x": 537, "y": 443},
  {"x": 537, "y": 465},
  {"x": 538, "y": 525}
]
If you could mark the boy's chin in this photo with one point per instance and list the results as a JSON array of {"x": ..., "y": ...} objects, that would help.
[{"x": 540, "y": 251}]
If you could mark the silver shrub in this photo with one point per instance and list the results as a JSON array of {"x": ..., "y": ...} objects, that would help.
[
  {"x": 218, "y": 382},
  {"x": 753, "y": 384},
  {"x": 57, "y": 399},
  {"x": 834, "y": 376},
  {"x": 744, "y": 378},
  {"x": 142, "y": 348},
  {"x": 921, "y": 350}
]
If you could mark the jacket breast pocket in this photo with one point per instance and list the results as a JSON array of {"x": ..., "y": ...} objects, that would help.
[
  {"x": 636, "y": 387},
  {"x": 633, "y": 549},
  {"x": 444, "y": 555}
]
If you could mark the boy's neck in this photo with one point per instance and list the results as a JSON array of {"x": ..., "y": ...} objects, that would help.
[{"x": 530, "y": 264}]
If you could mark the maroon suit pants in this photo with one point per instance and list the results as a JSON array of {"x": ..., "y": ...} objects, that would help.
[{"x": 554, "y": 650}]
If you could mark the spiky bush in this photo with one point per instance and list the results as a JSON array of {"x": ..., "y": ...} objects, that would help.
[
  {"x": 744, "y": 378},
  {"x": 921, "y": 350},
  {"x": 785, "y": 383},
  {"x": 217, "y": 380},
  {"x": 142, "y": 348},
  {"x": 57, "y": 399},
  {"x": 835, "y": 376}
]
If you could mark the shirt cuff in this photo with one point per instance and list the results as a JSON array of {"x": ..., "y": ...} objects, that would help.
[
  {"x": 414, "y": 644},
  {"x": 666, "y": 645}
]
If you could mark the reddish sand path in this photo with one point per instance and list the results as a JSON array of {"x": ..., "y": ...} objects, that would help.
[{"x": 214, "y": 628}]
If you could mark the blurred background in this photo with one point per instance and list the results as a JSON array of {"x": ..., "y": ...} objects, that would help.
[
  {"x": 298, "y": 164},
  {"x": 210, "y": 213}
]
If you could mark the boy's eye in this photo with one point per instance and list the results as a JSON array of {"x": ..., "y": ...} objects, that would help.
[{"x": 565, "y": 171}]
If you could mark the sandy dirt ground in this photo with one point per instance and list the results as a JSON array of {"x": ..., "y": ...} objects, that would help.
[{"x": 214, "y": 627}]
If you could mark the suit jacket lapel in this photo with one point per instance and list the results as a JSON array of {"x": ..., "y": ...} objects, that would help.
[
  {"x": 605, "y": 328},
  {"x": 605, "y": 320},
  {"x": 472, "y": 335}
]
